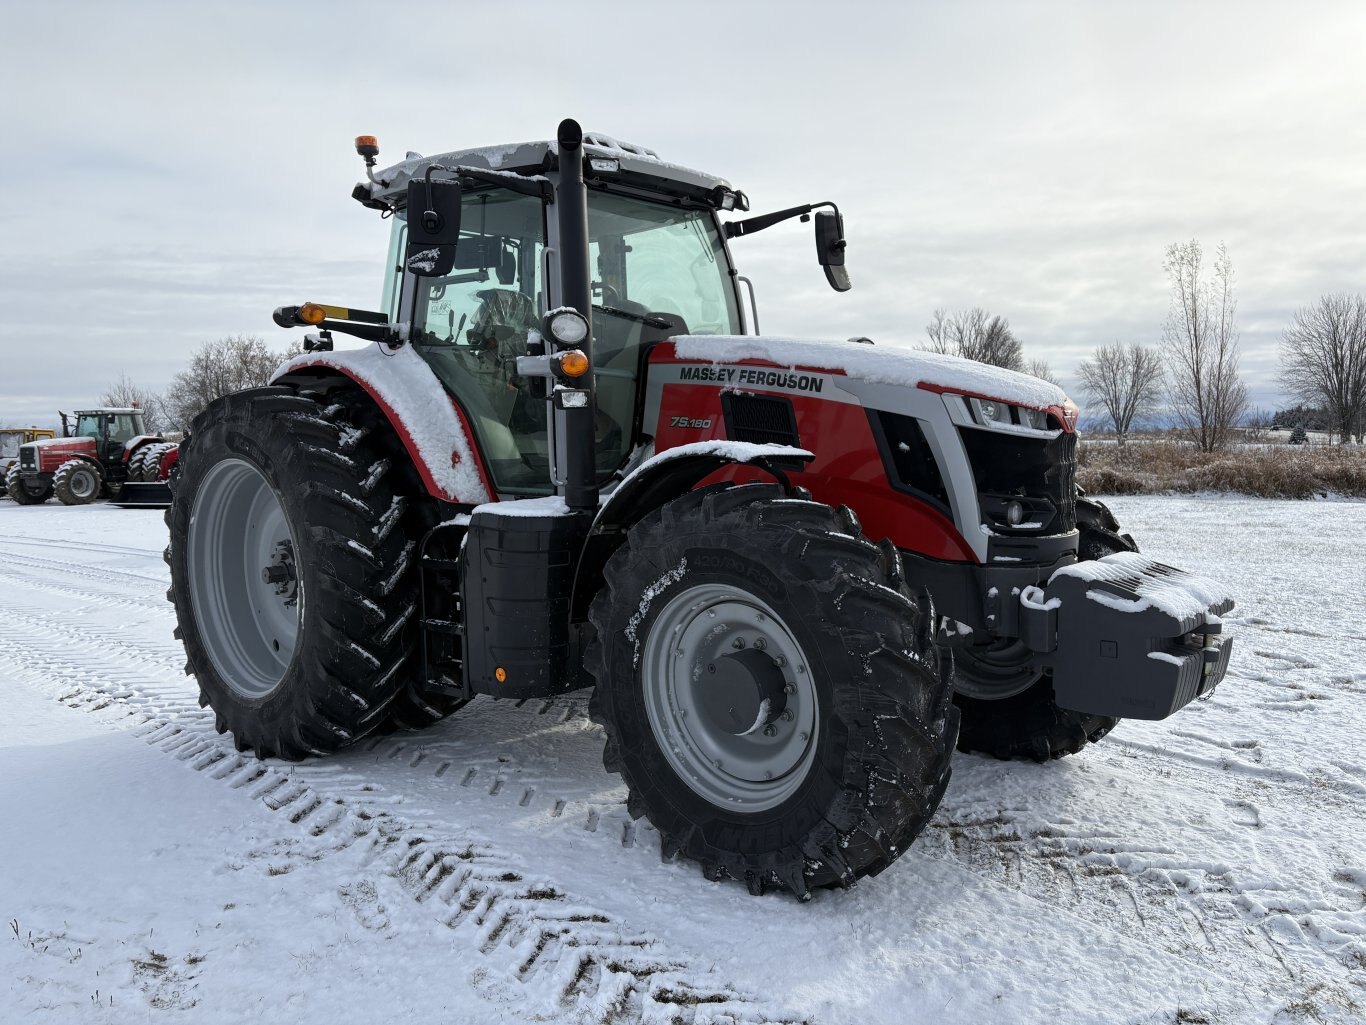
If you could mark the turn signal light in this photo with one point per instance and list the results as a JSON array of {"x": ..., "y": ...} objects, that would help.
[
  {"x": 573, "y": 363},
  {"x": 312, "y": 313}
]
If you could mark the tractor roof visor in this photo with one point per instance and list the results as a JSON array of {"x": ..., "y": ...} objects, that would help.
[{"x": 607, "y": 164}]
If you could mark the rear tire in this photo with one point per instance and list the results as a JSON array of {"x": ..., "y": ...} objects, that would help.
[
  {"x": 135, "y": 461},
  {"x": 270, "y": 462},
  {"x": 76, "y": 482},
  {"x": 847, "y": 653},
  {"x": 150, "y": 470},
  {"x": 1029, "y": 724}
]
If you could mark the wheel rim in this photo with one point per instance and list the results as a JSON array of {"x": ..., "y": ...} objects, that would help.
[
  {"x": 83, "y": 484},
  {"x": 242, "y": 580},
  {"x": 995, "y": 671},
  {"x": 715, "y": 657}
]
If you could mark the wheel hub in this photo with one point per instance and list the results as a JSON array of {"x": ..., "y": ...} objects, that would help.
[
  {"x": 280, "y": 572},
  {"x": 742, "y": 692}
]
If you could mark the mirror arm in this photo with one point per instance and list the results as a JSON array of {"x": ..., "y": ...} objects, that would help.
[
  {"x": 734, "y": 229},
  {"x": 750, "y": 225}
]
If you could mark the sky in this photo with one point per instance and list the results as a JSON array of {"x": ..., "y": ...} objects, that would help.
[{"x": 178, "y": 171}]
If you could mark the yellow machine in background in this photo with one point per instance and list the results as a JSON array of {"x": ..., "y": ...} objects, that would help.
[{"x": 10, "y": 440}]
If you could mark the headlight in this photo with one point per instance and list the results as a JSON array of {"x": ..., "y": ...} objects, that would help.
[
  {"x": 989, "y": 412},
  {"x": 1002, "y": 415},
  {"x": 567, "y": 327}
]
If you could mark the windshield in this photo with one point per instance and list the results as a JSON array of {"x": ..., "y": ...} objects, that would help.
[
  {"x": 9, "y": 446},
  {"x": 658, "y": 271},
  {"x": 88, "y": 425}
]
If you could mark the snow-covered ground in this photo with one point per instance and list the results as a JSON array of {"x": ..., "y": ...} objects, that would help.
[{"x": 1211, "y": 868}]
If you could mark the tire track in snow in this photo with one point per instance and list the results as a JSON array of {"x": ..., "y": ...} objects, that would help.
[
  {"x": 1208, "y": 911},
  {"x": 538, "y": 946}
]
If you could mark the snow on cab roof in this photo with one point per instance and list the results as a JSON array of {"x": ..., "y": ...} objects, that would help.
[
  {"x": 880, "y": 364},
  {"x": 531, "y": 156}
]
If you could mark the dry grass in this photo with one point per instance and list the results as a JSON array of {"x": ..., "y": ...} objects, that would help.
[{"x": 1281, "y": 471}]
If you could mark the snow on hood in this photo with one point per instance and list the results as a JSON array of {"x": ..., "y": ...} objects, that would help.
[
  {"x": 879, "y": 364},
  {"x": 58, "y": 442},
  {"x": 407, "y": 386}
]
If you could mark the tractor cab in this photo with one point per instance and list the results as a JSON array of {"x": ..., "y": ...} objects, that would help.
[
  {"x": 110, "y": 429},
  {"x": 473, "y": 323}
]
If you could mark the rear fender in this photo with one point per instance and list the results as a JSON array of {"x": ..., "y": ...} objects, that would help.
[
  {"x": 131, "y": 446},
  {"x": 168, "y": 460},
  {"x": 426, "y": 418},
  {"x": 658, "y": 480}
]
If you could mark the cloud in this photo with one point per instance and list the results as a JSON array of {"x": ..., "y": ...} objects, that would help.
[{"x": 177, "y": 171}]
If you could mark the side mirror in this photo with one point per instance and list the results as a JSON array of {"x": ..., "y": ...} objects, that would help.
[
  {"x": 433, "y": 226},
  {"x": 830, "y": 248}
]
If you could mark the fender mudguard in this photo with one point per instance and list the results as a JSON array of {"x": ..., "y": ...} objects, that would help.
[
  {"x": 659, "y": 479},
  {"x": 133, "y": 444},
  {"x": 427, "y": 419}
]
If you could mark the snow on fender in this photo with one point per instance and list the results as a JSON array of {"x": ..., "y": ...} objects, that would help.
[{"x": 426, "y": 418}]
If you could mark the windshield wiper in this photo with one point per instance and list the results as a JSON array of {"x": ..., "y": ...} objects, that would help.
[{"x": 640, "y": 318}]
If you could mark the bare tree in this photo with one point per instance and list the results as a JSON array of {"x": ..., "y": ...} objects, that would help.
[
  {"x": 1039, "y": 368},
  {"x": 975, "y": 334},
  {"x": 1125, "y": 380},
  {"x": 1258, "y": 425},
  {"x": 1323, "y": 360},
  {"x": 1200, "y": 342},
  {"x": 123, "y": 393},
  {"x": 217, "y": 369}
]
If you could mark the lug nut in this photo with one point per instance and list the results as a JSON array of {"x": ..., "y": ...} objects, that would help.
[
  {"x": 789, "y": 688},
  {"x": 780, "y": 661},
  {"x": 761, "y": 644},
  {"x": 738, "y": 643},
  {"x": 787, "y": 715},
  {"x": 770, "y": 730}
]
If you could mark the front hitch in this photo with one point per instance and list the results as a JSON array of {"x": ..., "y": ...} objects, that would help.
[{"x": 1128, "y": 636}]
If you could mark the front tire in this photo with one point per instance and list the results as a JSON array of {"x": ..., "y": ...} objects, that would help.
[
  {"x": 22, "y": 493},
  {"x": 294, "y": 587},
  {"x": 1025, "y": 722},
  {"x": 76, "y": 482},
  {"x": 802, "y": 737}
]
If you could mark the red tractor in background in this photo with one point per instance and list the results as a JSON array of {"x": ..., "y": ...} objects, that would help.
[
  {"x": 797, "y": 575},
  {"x": 97, "y": 456}
]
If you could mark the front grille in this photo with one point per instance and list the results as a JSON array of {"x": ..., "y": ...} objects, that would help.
[
  {"x": 1039, "y": 473},
  {"x": 27, "y": 459},
  {"x": 759, "y": 419}
]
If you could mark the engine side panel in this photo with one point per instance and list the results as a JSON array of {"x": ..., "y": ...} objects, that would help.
[
  {"x": 687, "y": 402},
  {"x": 50, "y": 453}
]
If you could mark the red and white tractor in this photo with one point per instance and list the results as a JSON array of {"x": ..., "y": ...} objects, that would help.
[
  {"x": 797, "y": 575},
  {"x": 97, "y": 455}
]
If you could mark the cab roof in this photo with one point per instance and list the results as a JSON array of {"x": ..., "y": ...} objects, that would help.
[{"x": 637, "y": 165}]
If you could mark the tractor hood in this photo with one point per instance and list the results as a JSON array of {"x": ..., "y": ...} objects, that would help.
[
  {"x": 878, "y": 364},
  {"x": 49, "y": 446}
]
